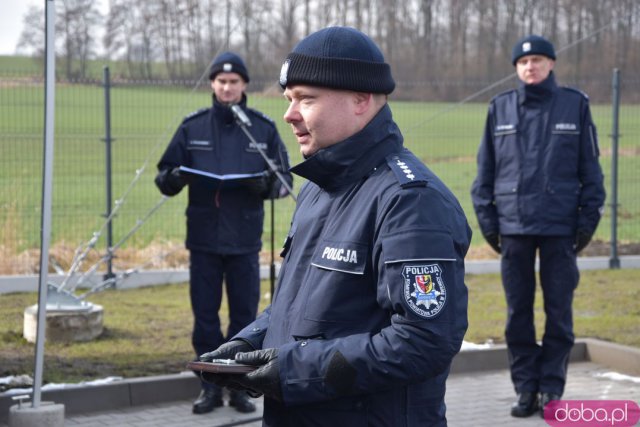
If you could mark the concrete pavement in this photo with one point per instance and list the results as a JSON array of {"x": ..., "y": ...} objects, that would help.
[{"x": 479, "y": 399}]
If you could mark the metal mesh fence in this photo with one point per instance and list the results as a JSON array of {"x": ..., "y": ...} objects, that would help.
[{"x": 144, "y": 116}]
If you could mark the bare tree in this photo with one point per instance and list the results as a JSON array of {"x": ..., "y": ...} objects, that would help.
[
  {"x": 166, "y": 36},
  {"x": 212, "y": 41},
  {"x": 77, "y": 21},
  {"x": 425, "y": 44},
  {"x": 193, "y": 32},
  {"x": 117, "y": 38},
  {"x": 626, "y": 13},
  {"x": 113, "y": 41},
  {"x": 357, "y": 9},
  {"x": 458, "y": 18},
  {"x": 487, "y": 40},
  {"x": 32, "y": 37},
  {"x": 287, "y": 37},
  {"x": 146, "y": 31},
  {"x": 246, "y": 16},
  {"x": 423, "y": 40}
]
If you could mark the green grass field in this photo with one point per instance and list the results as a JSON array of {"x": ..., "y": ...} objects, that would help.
[{"x": 144, "y": 118}]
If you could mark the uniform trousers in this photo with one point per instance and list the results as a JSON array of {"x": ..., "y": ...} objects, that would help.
[
  {"x": 539, "y": 367},
  {"x": 208, "y": 271}
]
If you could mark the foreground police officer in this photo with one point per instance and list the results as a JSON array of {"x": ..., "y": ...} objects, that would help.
[
  {"x": 224, "y": 222},
  {"x": 539, "y": 189},
  {"x": 371, "y": 304}
]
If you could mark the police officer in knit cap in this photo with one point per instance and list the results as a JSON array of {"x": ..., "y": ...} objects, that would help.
[
  {"x": 371, "y": 305},
  {"x": 539, "y": 192},
  {"x": 224, "y": 222}
]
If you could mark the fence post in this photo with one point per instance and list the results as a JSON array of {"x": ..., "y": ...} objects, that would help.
[
  {"x": 614, "y": 261},
  {"x": 47, "y": 191},
  {"x": 107, "y": 139}
]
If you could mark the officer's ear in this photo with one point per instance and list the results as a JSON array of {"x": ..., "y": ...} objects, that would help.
[{"x": 363, "y": 102}]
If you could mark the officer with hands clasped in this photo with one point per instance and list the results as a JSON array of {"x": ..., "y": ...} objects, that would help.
[
  {"x": 371, "y": 305},
  {"x": 539, "y": 189},
  {"x": 224, "y": 221}
]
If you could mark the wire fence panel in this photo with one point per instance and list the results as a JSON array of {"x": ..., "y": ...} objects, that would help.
[{"x": 144, "y": 116}]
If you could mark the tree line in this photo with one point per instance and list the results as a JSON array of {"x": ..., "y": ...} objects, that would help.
[{"x": 438, "y": 49}]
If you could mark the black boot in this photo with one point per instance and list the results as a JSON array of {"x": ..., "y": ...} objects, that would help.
[
  {"x": 207, "y": 400},
  {"x": 240, "y": 400},
  {"x": 526, "y": 404},
  {"x": 545, "y": 398}
]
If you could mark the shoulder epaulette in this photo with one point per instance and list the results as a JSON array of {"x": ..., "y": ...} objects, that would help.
[
  {"x": 505, "y": 93},
  {"x": 572, "y": 89},
  {"x": 407, "y": 169},
  {"x": 261, "y": 115},
  {"x": 195, "y": 114}
]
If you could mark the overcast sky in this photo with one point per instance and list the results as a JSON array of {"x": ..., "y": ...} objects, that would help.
[
  {"x": 11, "y": 23},
  {"x": 11, "y": 15}
]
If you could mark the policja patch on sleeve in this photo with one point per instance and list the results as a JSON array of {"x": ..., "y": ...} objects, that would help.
[{"x": 424, "y": 289}]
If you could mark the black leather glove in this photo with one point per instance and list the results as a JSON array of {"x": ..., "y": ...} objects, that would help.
[
  {"x": 582, "y": 240},
  {"x": 264, "y": 380},
  {"x": 170, "y": 181},
  {"x": 227, "y": 350},
  {"x": 271, "y": 189},
  {"x": 261, "y": 185},
  {"x": 493, "y": 239}
]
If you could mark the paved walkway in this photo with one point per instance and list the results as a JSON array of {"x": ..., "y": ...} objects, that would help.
[{"x": 478, "y": 399}]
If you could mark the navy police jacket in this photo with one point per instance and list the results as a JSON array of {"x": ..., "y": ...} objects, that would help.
[
  {"x": 371, "y": 304},
  {"x": 227, "y": 219},
  {"x": 538, "y": 170}
]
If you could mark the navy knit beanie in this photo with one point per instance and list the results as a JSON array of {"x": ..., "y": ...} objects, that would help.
[
  {"x": 338, "y": 58},
  {"x": 532, "y": 45},
  {"x": 228, "y": 62}
]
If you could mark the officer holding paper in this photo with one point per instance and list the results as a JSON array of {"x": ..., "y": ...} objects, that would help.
[{"x": 225, "y": 220}]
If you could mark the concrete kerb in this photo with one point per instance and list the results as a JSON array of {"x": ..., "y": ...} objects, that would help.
[
  {"x": 496, "y": 358},
  {"x": 615, "y": 356},
  {"x": 184, "y": 386},
  {"x": 29, "y": 283},
  {"x": 584, "y": 263},
  {"x": 120, "y": 394}
]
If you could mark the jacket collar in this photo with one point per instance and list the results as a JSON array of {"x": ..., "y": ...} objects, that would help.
[
  {"x": 355, "y": 157},
  {"x": 537, "y": 93},
  {"x": 223, "y": 113}
]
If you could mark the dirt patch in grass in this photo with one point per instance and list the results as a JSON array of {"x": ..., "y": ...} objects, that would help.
[
  {"x": 173, "y": 255},
  {"x": 147, "y": 331}
]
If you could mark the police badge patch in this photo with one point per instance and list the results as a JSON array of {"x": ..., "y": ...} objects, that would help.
[
  {"x": 424, "y": 289},
  {"x": 283, "y": 72}
]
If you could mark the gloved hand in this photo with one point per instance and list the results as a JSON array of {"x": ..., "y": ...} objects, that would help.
[
  {"x": 271, "y": 189},
  {"x": 227, "y": 350},
  {"x": 264, "y": 380},
  {"x": 170, "y": 181},
  {"x": 261, "y": 185},
  {"x": 493, "y": 239},
  {"x": 582, "y": 240}
]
